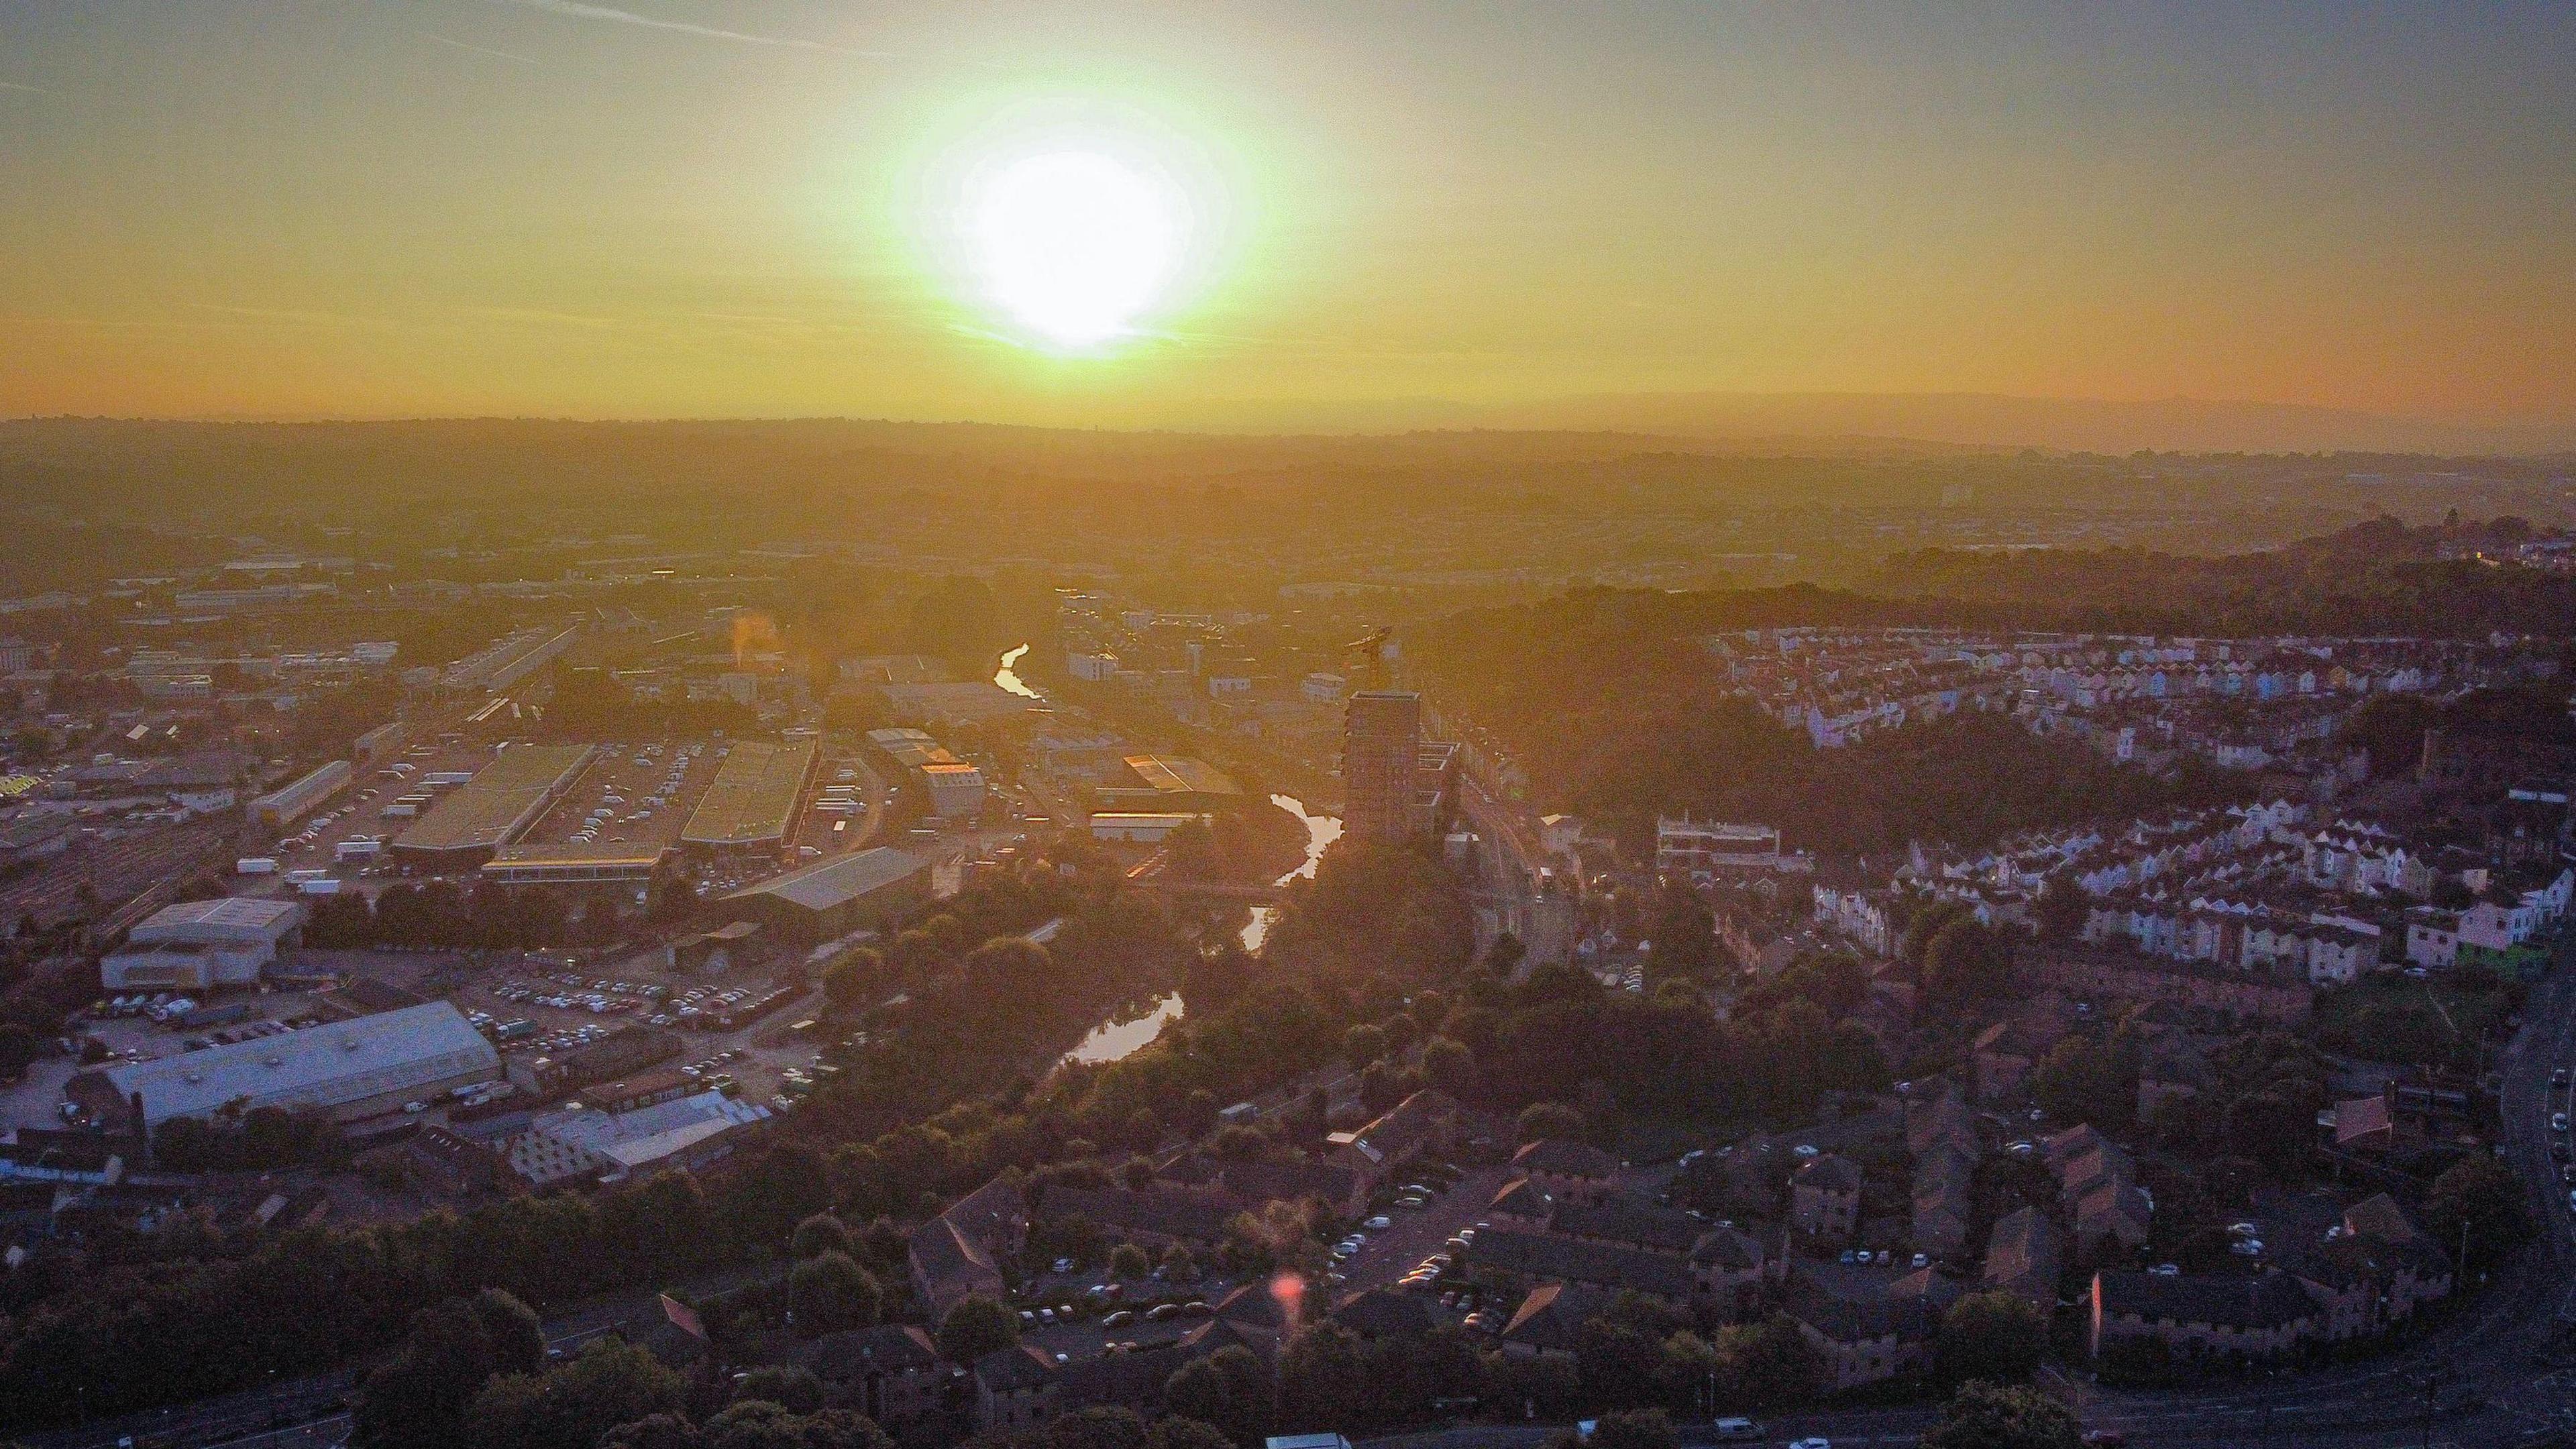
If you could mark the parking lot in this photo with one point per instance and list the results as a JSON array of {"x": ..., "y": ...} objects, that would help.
[
  {"x": 1412, "y": 1236},
  {"x": 632, "y": 793},
  {"x": 358, "y": 814}
]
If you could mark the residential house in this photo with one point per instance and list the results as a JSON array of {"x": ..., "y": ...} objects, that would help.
[
  {"x": 1567, "y": 1170},
  {"x": 889, "y": 1372},
  {"x": 2025, "y": 1256},
  {"x": 1824, "y": 1198},
  {"x": 2204, "y": 1316}
]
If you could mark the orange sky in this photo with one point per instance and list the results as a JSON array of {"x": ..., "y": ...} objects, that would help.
[{"x": 691, "y": 207}]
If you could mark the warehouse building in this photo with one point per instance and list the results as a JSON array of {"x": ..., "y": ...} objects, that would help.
[
  {"x": 201, "y": 945},
  {"x": 752, "y": 803},
  {"x": 573, "y": 863},
  {"x": 495, "y": 807},
  {"x": 836, "y": 896},
  {"x": 580, "y": 1144},
  {"x": 955, "y": 788},
  {"x": 1170, "y": 784},
  {"x": 284, "y": 806},
  {"x": 351, "y": 1069}
]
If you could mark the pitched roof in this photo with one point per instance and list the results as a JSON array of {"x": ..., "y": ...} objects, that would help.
[
  {"x": 1407, "y": 1125},
  {"x": 1560, "y": 1157},
  {"x": 1550, "y": 1319},
  {"x": 1851, "y": 1304},
  {"x": 1521, "y": 1197},
  {"x": 1167, "y": 1214},
  {"x": 1543, "y": 1255},
  {"x": 1724, "y": 1247},
  {"x": 2268, "y": 1300},
  {"x": 948, "y": 1265},
  {"x": 892, "y": 1347},
  {"x": 1384, "y": 1313},
  {"x": 2024, "y": 1254},
  {"x": 1012, "y": 1370},
  {"x": 1625, "y": 1217},
  {"x": 1292, "y": 1181},
  {"x": 1828, "y": 1174}
]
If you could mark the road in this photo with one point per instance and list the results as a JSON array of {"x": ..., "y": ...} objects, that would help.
[{"x": 1511, "y": 864}]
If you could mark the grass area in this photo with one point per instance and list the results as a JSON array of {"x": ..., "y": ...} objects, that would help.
[{"x": 2389, "y": 1017}]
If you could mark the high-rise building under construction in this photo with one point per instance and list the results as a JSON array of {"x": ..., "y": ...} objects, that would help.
[{"x": 1381, "y": 749}]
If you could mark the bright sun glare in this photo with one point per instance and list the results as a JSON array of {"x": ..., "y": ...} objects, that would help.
[{"x": 1072, "y": 244}]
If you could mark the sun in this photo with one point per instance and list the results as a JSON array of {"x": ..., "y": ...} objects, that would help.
[{"x": 1073, "y": 245}]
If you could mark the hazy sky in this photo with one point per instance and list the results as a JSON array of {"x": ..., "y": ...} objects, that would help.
[{"x": 748, "y": 207}]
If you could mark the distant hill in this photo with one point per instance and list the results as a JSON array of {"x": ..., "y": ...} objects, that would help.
[{"x": 2068, "y": 424}]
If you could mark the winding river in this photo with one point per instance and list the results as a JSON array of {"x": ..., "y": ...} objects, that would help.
[
  {"x": 1006, "y": 675},
  {"x": 1321, "y": 831}
]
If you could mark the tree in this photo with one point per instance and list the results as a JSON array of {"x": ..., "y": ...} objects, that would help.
[
  {"x": 1363, "y": 1044},
  {"x": 793, "y": 1389},
  {"x": 1449, "y": 1065},
  {"x": 1986, "y": 1416},
  {"x": 822, "y": 1233},
  {"x": 1229, "y": 1391},
  {"x": 1320, "y": 1382},
  {"x": 18, "y": 1049},
  {"x": 1180, "y": 1265},
  {"x": 2480, "y": 1198},
  {"x": 1762, "y": 1365},
  {"x": 1129, "y": 1261},
  {"x": 2063, "y": 908},
  {"x": 975, "y": 1327},
  {"x": 654, "y": 1431},
  {"x": 830, "y": 1292},
  {"x": 2083, "y": 1080},
  {"x": 853, "y": 976},
  {"x": 1542, "y": 1120},
  {"x": 1175, "y": 1432},
  {"x": 1994, "y": 1337},
  {"x": 608, "y": 1385},
  {"x": 1639, "y": 1429},
  {"x": 1965, "y": 962},
  {"x": 419, "y": 1399},
  {"x": 760, "y": 1424},
  {"x": 1102, "y": 1426},
  {"x": 518, "y": 1340}
]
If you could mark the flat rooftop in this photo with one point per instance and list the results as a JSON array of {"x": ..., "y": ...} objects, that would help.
[
  {"x": 828, "y": 883},
  {"x": 502, "y": 799},
  {"x": 753, "y": 799}
]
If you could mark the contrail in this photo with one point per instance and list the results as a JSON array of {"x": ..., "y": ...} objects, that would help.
[
  {"x": 578, "y": 10},
  {"x": 14, "y": 86},
  {"x": 480, "y": 49}
]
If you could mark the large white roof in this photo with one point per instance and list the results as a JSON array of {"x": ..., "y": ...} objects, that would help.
[{"x": 320, "y": 1066}]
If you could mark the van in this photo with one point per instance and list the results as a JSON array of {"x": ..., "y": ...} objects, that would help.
[{"x": 1737, "y": 1428}]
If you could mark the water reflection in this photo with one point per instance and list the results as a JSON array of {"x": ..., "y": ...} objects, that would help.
[
  {"x": 1114, "y": 1039},
  {"x": 1008, "y": 678},
  {"x": 1321, "y": 831}
]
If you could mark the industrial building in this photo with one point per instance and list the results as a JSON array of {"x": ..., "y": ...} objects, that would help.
[
  {"x": 510, "y": 659},
  {"x": 201, "y": 945},
  {"x": 956, "y": 704},
  {"x": 1138, "y": 827},
  {"x": 955, "y": 788},
  {"x": 495, "y": 807},
  {"x": 350, "y": 1069},
  {"x": 836, "y": 896},
  {"x": 289, "y": 803},
  {"x": 752, "y": 804},
  {"x": 579, "y": 1143},
  {"x": 1161, "y": 784},
  {"x": 573, "y": 863}
]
